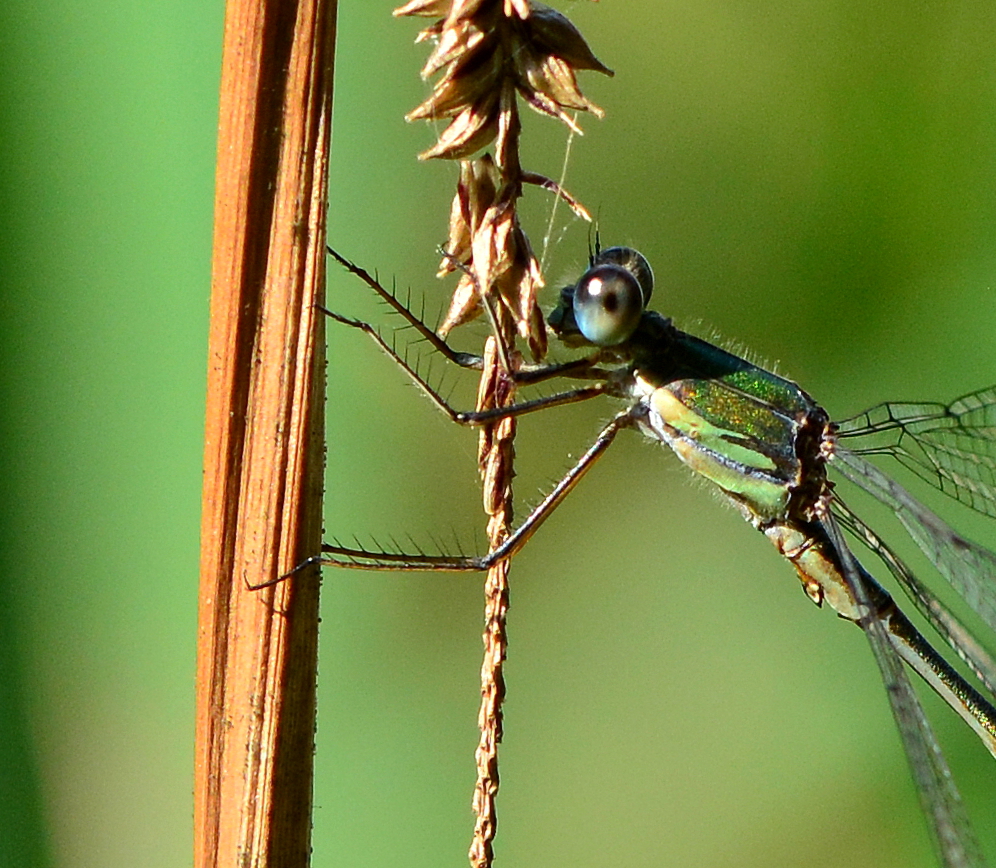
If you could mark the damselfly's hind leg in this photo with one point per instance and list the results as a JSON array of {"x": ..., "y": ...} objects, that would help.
[{"x": 363, "y": 559}]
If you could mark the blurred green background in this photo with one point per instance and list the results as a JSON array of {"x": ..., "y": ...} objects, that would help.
[{"x": 814, "y": 182}]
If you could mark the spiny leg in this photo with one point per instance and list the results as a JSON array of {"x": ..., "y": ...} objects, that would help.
[
  {"x": 580, "y": 368},
  {"x": 362, "y": 559},
  {"x": 343, "y": 556},
  {"x": 464, "y": 360},
  {"x": 525, "y": 374},
  {"x": 469, "y": 417}
]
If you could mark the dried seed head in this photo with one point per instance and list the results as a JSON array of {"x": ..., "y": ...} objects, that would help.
[
  {"x": 483, "y": 45},
  {"x": 488, "y": 53}
]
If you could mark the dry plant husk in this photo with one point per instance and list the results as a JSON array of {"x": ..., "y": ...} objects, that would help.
[{"x": 488, "y": 54}]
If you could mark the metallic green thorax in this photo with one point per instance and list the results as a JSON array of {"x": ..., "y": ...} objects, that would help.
[{"x": 756, "y": 435}]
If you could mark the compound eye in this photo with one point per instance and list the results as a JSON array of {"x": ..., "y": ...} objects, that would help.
[{"x": 608, "y": 304}]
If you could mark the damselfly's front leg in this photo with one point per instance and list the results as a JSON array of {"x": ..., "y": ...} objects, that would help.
[
  {"x": 481, "y": 417},
  {"x": 522, "y": 375}
]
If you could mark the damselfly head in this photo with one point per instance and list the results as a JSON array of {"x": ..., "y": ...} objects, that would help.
[{"x": 605, "y": 306}]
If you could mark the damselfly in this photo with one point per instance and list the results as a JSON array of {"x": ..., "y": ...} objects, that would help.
[{"x": 768, "y": 447}]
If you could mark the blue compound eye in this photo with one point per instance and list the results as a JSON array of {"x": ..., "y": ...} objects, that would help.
[{"x": 608, "y": 304}]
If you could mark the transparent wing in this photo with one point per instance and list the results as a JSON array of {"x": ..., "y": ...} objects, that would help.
[
  {"x": 951, "y": 446},
  {"x": 939, "y": 798},
  {"x": 968, "y": 567},
  {"x": 937, "y": 614}
]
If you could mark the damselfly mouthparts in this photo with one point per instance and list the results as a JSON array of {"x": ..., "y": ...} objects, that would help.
[{"x": 769, "y": 448}]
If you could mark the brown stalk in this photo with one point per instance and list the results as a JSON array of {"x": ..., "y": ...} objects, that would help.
[
  {"x": 496, "y": 456},
  {"x": 489, "y": 54},
  {"x": 263, "y": 463}
]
